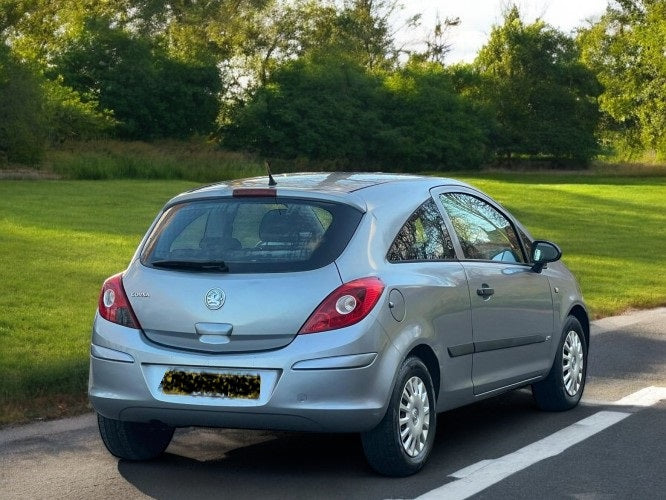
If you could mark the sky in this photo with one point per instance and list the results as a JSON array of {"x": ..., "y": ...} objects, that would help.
[{"x": 478, "y": 16}]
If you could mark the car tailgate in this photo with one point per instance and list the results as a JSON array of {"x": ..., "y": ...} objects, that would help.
[{"x": 218, "y": 312}]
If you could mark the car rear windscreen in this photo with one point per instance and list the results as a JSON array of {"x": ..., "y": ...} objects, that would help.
[{"x": 250, "y": 235}]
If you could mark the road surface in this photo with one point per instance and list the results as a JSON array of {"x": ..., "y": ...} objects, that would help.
[{"x": 613, "y": 445}]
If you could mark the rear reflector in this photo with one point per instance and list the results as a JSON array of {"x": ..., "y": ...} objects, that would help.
[
  {"x": 345, "y": 306},
  {"x": 241, "y": 192}
]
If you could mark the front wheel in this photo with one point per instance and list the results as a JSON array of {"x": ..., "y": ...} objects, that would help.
[
  {"x": 563, "y": 387},
  {"x": 134, "y": 440},
  {"x": 401, "y": 443}
]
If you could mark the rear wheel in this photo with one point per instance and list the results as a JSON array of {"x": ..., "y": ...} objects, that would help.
[
  {"x": 401, "y": 443},
  {"x": 563, "y": 387},
  {"x": 134, "y": 440}
]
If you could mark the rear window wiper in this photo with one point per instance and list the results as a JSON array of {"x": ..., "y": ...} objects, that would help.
[{"x": 199, "y": 265}]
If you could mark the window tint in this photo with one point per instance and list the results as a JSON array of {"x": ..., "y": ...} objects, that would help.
[
  {"x": 484, "y": 233},
  {"x": 246, "y": 223},
  {"x": 252, "y": 234},
  {"x": 423, "y": 237},
  {"x": 191, "y": 234}
]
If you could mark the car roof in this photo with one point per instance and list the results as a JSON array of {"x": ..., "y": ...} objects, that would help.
[{"x": 354, "y": 188}]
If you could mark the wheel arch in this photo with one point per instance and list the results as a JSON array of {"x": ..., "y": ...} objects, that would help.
[
  {"x": 579, "y": 312},
  {"x": 425, "y": 353}
]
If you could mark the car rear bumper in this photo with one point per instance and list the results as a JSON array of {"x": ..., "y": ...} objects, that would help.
[{"x": 337, "y": 381}]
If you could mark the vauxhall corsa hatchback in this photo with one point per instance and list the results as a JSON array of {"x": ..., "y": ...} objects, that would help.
[{"x": 332, "y": 302}]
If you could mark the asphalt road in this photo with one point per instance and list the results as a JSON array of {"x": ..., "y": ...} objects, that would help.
[{"x": 499, "y": 442}]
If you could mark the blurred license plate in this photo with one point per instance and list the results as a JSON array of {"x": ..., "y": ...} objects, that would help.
[{"x": 223, "y": 385}]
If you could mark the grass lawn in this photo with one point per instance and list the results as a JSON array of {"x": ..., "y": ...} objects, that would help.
[
  {"x": 58, "y": 242},
  {"x": 612, "y": 231},
  {"x": 60, "y": 239}
]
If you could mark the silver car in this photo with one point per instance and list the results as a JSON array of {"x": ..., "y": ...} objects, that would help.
[{"x": 332, "y": 302}]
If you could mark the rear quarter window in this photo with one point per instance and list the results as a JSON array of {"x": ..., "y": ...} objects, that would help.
[{"x": 423, "y": 237}]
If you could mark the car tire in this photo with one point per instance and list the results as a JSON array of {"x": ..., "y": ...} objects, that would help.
[
  {"x": 411, "y": 413},
  {"x": 563, "y": 387},
  {"x": 134, "y": 440}
]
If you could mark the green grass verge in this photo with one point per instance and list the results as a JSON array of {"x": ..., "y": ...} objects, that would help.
[
  {"x": 610, "y": 229},
  {"x": 60, "y": 239},
  {"x": 58, "y": 242}
]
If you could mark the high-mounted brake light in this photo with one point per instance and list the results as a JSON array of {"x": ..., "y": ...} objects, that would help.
[
  {"x": 113, "y": 303},
  {"x": 345, "y": 306},
  {"x": 241, "y": 192}
]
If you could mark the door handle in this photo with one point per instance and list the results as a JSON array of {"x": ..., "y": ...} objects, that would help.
[{"x": 485, "y": 291}]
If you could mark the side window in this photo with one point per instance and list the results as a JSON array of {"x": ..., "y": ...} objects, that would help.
[
  {"x": 423, "y": 237},
  {"x": 484, "y": 233}
]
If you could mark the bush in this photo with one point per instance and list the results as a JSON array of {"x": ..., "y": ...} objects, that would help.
[
  {"x": 428, "y": 124},
  {"x": 542, "y": 95},
  {"x": 316, "y": 110},
  {"x": 23, "y": 124},
  {"x": 70, "y": 117},
  {"x": 150, "y": 94},
  {"x": 334, "y": 110}
]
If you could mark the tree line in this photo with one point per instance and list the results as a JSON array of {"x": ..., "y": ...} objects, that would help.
[{"x": 327, "y": 80}]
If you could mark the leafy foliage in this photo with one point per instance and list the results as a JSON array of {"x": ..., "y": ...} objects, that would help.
[
  {"x": 427, "y": 123},
  {"x": 327, "y": 80},
  {"x": 335, "y": 110},
  {"x": 22, "y": 127},
  {"x": 319, "y": 110},
  {"x": 36, "y": 110},
  {"x": 626, "y": 49},
  {"x": 543, "y": 96},
  {"x": 68, "y": 116},
  {"x": 150, "y": 94}
]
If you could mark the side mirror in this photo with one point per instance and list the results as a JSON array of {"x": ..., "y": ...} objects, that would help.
[{"x": 544, "y": 252}]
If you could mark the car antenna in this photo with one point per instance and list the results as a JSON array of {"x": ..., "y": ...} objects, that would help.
[{"x": 271, "y": 181}]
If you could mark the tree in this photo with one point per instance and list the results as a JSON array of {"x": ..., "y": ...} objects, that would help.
[
  {"x": 150, "y": 94},
  {"x": 359, "y": 31},
  {"x": 363, "y": 29},
  {"x": 36, "y": 111},
  {"x": 544, "y": 98},
  {"x": 117, "y": 54},
  {"x": 280, "y": 31},
  {"x": 427, "y": 123},
  {"x": 188, "y": 30},
  {"x": 68, "y": 116},
  {"x": 36, "y": 29},
  {"x": 22, "y": 127},
  {"x": 627, "y": 52},
  {"x": 336, "y": 110},
  {"x": 313, "y": 108},
  {"x": 437, "y": 43}
]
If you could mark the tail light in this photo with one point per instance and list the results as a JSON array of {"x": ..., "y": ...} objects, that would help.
[
  {"x": 345, "y": 306},
  {"x": 113, "y": 303}
]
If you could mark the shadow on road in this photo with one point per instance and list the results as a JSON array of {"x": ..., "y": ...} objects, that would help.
[
  {"x": 620, "y": 354},
  {"x": 209, "y": 463},
  {"x": 299, "y": 465}
]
